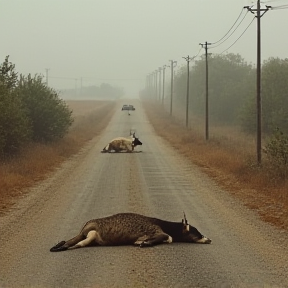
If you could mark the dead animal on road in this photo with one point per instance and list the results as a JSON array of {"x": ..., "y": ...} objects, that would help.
[
  {"x": 122, "y": 144},
  {"x": 132, "y": 229}
]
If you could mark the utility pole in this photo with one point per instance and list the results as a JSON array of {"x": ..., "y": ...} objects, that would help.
[
  {"x": 188, "y": 59},
  {"x": 207, "y": 93},
  {"x": 151, "y": 83},
  {"x": 150, "y": 91},
  {"x": 259, "y": 13},
  {"x": 47, "y": 69},
  {"x": 163, "y": 89},
  {"x": 147, "y": 86},
  {"x": 156, "y": 82},
  {"x": 160, "y": 69},
  {"x": 172, "y": 80}
]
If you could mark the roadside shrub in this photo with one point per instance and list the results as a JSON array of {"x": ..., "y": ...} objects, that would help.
[
  {"x": 50, "y": 116},
  {"x": 277, "y": 152},
  {"x": 15, "y": 128},
  {"x": 274, "y": 86}
]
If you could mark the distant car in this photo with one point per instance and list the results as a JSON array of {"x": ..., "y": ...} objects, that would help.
[{"x": 128, "y": 107}]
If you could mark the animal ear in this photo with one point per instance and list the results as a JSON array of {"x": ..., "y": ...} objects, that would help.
[{"x": 185, "y": 223}]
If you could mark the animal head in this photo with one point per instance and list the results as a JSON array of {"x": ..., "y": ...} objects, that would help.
[
  {"x": 135, "y": 140},
  {"x": 191, "y": 234}
]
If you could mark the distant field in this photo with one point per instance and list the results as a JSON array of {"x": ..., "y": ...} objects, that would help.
[{"x": 83, "y": 107}]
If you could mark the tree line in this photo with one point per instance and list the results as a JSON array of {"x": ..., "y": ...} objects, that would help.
[
  {"x": 104, "y": 91},
  {"x": 30, "y": 111},
  {"x": 232, "y": 90},
  {"x": 232, "y": 98}
]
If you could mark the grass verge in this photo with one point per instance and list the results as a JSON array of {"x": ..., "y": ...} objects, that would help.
[
  {"x": 229, "y": 164},
  {"x": 33, "y": 162}
]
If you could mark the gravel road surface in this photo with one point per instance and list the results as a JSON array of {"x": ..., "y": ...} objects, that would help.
[{"x": 245, "y": 252}]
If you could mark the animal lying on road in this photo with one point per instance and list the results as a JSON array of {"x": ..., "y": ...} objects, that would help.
[
  {"x": 122, "y": 144},
  {"x": 129, "y": 229}
]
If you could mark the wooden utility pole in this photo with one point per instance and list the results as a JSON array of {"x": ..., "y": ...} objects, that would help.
[
  {"x": 172, "y": 80},
  {"x": 160, "y": 69},
  {"x": 47, "y": 69},
  {"x": 259, "y": 13},
  {"x": 156, "y": 82},
  {"x": 259, "y": 104},
  {"x": 207, "y": 92},
  {"x": 188, "y": 59},
  {"x": 163, "y": 89}
]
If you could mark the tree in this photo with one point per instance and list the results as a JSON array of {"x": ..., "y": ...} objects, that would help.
[
  {"x": 274, "y": 87},
  {"x": 8, "y": 76},
  {"x": 275, "y": 94},
  {"x": 229, "y": 84},
  {"x": 50, "y": 116},
  {"x": 15, "y": 126}
]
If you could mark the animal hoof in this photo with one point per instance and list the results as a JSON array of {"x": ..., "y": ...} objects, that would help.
[
  {"x": 58, "y": 247},
  {"x": 145, "y": 244},
  {"x": 204, "y": 240}
]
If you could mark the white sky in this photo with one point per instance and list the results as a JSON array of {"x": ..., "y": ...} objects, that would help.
[{"x": 121, "y": 41}]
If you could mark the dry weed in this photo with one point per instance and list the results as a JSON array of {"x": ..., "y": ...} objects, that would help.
[
  {"x": 36, "y": 160},
  {"x": 228, "y": 157}
]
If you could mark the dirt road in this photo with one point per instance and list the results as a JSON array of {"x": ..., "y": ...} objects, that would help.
[{"x": 245, "y": 252}]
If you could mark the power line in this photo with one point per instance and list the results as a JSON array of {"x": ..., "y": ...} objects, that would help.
[
  {"x": 238, "y": 37},
  {"x": 269, "y": 1},
  {"x": 279, "y": 7},
  {"x": 230, "y": 28},
  {"x": 231, "y": 33},
  {"x": 198, "y": 52}
]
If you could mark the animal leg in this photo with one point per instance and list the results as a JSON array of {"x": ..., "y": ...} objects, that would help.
[
  {"x": 141, "y": 240},
  {"x": 148, "y": 241},
  {"x": 64, "y": 245},
  {"x": 58, "y": 247},
  {"x": 91, "y": 236}
]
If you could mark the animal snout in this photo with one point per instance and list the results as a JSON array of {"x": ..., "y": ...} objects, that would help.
[{"x": 204, "y": 240}]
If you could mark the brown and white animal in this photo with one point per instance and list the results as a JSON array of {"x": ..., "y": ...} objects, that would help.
[
  {"x": 132, "y": 229},
  {"x": 122, "y": 144}
]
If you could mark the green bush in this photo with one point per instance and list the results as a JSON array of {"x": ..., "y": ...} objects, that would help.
[
  {"x": 274, "y": 100},
  {"x": 15, "y": 128},
  {"x": 277, "y": 152},
  {"x": 50, "y": 116},
  {"x": 29, "y": 111}
]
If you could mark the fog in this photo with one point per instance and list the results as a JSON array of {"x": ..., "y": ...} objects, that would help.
[{"x": 120, "y": 42}]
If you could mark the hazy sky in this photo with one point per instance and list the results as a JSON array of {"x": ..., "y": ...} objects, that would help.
[{"x": 121, "y": 41}]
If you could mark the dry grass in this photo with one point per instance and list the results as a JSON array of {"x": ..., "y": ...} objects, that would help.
[
  {"x": 229, "y": 158},
  {"x": 33, "y": 163}
]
